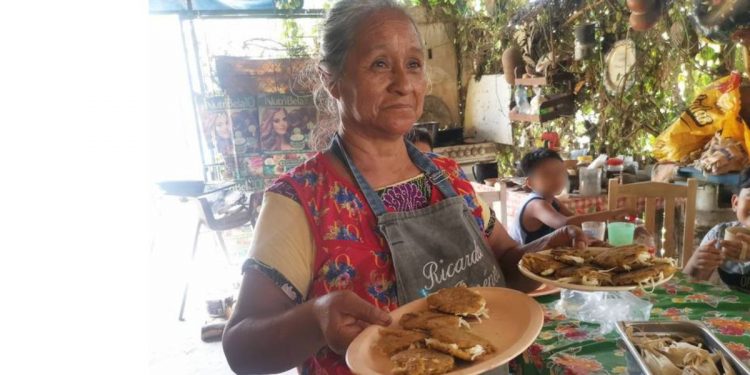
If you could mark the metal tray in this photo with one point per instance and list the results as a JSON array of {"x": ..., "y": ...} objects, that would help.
[{"x": 693, "y": 328}]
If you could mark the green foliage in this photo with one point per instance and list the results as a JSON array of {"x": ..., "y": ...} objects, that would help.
[
  {"x": 506, "y": 159},
  {"x": 673, "y": 63},
  {"x": 294, "y": 39}
]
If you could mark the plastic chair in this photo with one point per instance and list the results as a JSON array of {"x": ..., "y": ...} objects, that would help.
[
  {"x": 245, "y": 212},
  {"x": 652, "y": 191}
]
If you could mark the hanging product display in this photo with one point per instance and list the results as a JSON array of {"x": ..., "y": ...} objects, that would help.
[{"x": 585, "y": 40}]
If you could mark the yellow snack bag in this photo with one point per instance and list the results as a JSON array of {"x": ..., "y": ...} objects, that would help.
[{"x": 714, "y": 110}]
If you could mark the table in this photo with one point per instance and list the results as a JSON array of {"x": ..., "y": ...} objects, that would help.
[{"x": 574, "y": 348}]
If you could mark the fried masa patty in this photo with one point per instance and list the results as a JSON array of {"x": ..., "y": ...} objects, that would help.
[
  {"x": 459, "y": 343},
  {"x": 626, "y": 258},
  {"x": 576, "y": 257},
  {"x": 422, "y": 362},
  {"x": 458, "y": 301},
  {"x": 653, "y": 273},
  {"x": 427, "y": 320},
  {"x": 394, "y": 340},
  {"x": 541, "y": 264}
]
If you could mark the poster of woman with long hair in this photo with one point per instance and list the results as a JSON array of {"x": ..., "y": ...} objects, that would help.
[
  {"x": 217, "y": 130},
  {"x": 285, "y": 123},
  {"x": 275, "y": 133}
]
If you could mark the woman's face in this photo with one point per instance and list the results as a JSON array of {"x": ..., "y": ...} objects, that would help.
[
  {"x": 222, "y": 127},
  {"x": 280, "y": 126},
  {"x": 381, "y": 90}
]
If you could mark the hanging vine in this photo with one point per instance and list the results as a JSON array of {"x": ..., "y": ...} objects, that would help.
[{"x": 672, "y": 64}]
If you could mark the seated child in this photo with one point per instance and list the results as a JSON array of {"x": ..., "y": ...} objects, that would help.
[
  {"x": 420, "y": 138},
  {"x": 714, "y": 253},
  {"x": 542, "y": 213}
]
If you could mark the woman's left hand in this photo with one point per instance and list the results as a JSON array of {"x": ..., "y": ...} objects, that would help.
[{"x": 569, "y": 235}]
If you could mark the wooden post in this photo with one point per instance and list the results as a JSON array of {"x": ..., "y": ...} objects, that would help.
[{"x": 689, "y": 233}]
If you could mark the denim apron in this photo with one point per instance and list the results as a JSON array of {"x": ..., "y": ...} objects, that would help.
[{"x": 433, "y": 247}]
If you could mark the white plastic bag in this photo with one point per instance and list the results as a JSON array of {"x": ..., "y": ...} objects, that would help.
[{"x": 603, "y": 308}]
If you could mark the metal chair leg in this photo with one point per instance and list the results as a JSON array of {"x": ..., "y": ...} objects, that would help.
[
  {"x": 187, "y": 278},
  {"x": 220, "y": 238}
]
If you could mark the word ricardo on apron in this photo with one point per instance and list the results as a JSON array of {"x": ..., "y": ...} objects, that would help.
[{"x": 437, "y": 272}]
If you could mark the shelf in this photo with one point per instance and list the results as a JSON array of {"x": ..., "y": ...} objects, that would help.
[
  {"x": 546, "y": 80},
  {"x": 558, "y": 100},
  {"x": 561, "y": 104},
  {"x": 731, "y": 179}
]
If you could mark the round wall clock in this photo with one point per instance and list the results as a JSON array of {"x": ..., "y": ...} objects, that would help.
[{"x": 619, "y": 62}]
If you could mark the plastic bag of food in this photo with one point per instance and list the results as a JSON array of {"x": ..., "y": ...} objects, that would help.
[
  {"x": 722, "y": 155},
  {"x": 714, "y": 110}
]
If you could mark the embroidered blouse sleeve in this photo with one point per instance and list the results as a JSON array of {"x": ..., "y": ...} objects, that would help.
[{"x": 282, "y": 246}]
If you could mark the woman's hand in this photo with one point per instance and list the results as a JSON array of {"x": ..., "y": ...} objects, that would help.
[
  {"x": 569, "y": 235},
  {"x": 595, "y": 242},
  {"x": 343, "y": 315},
  {"x": 706, "y": 259}
]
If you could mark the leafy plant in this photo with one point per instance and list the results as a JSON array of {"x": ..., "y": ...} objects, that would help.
[{"x": 672, "y": 64}]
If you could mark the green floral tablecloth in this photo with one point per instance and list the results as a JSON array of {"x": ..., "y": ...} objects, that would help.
[{"x": 572, "y": 347}]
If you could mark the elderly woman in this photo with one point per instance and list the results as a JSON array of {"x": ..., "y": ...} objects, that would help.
[{"x": 369, "y": 224}]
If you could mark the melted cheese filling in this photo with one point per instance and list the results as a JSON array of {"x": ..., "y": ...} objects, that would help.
[
  {"x": 474, "y": 352},
  {"x": 578, "y": 260}
]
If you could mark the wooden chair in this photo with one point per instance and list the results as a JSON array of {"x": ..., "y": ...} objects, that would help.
[
  {"x": 496, "y": 197},
  {"x": 652, "y": 191}
]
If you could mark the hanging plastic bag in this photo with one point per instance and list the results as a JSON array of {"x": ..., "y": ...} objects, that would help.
[{"x": 714, "y": 110}]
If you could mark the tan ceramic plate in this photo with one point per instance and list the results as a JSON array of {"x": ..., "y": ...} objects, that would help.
[
  {"x": 583, "y": 288},
  {"x": 544, "y": 290},
  {"x": 514, "y": 323}
]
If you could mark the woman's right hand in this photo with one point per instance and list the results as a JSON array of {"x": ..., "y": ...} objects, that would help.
[
  {"x": 705, "y": 260},
  {"x": 343, "y": 315}
]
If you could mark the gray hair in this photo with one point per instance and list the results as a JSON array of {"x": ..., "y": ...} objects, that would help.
[{"x": 337, "y": 38}]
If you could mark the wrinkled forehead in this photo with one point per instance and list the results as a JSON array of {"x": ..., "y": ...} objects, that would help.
[{"x": 386, "y": 26}]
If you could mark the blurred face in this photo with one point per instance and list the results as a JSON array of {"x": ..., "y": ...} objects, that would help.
[
  {"x": 548, "y": 178},
  {"x": 222, "y": 127},
  {"x": 280, "y": 126},
  {"x": 741, "y": 205},
  {"x": 381, "y": 90}
]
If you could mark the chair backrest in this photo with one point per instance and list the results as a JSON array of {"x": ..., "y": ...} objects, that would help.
[
  {"x": 230, "y": 221},
  {"x": 669, "y": 193},
  {"x": 492, "y": 196}
]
